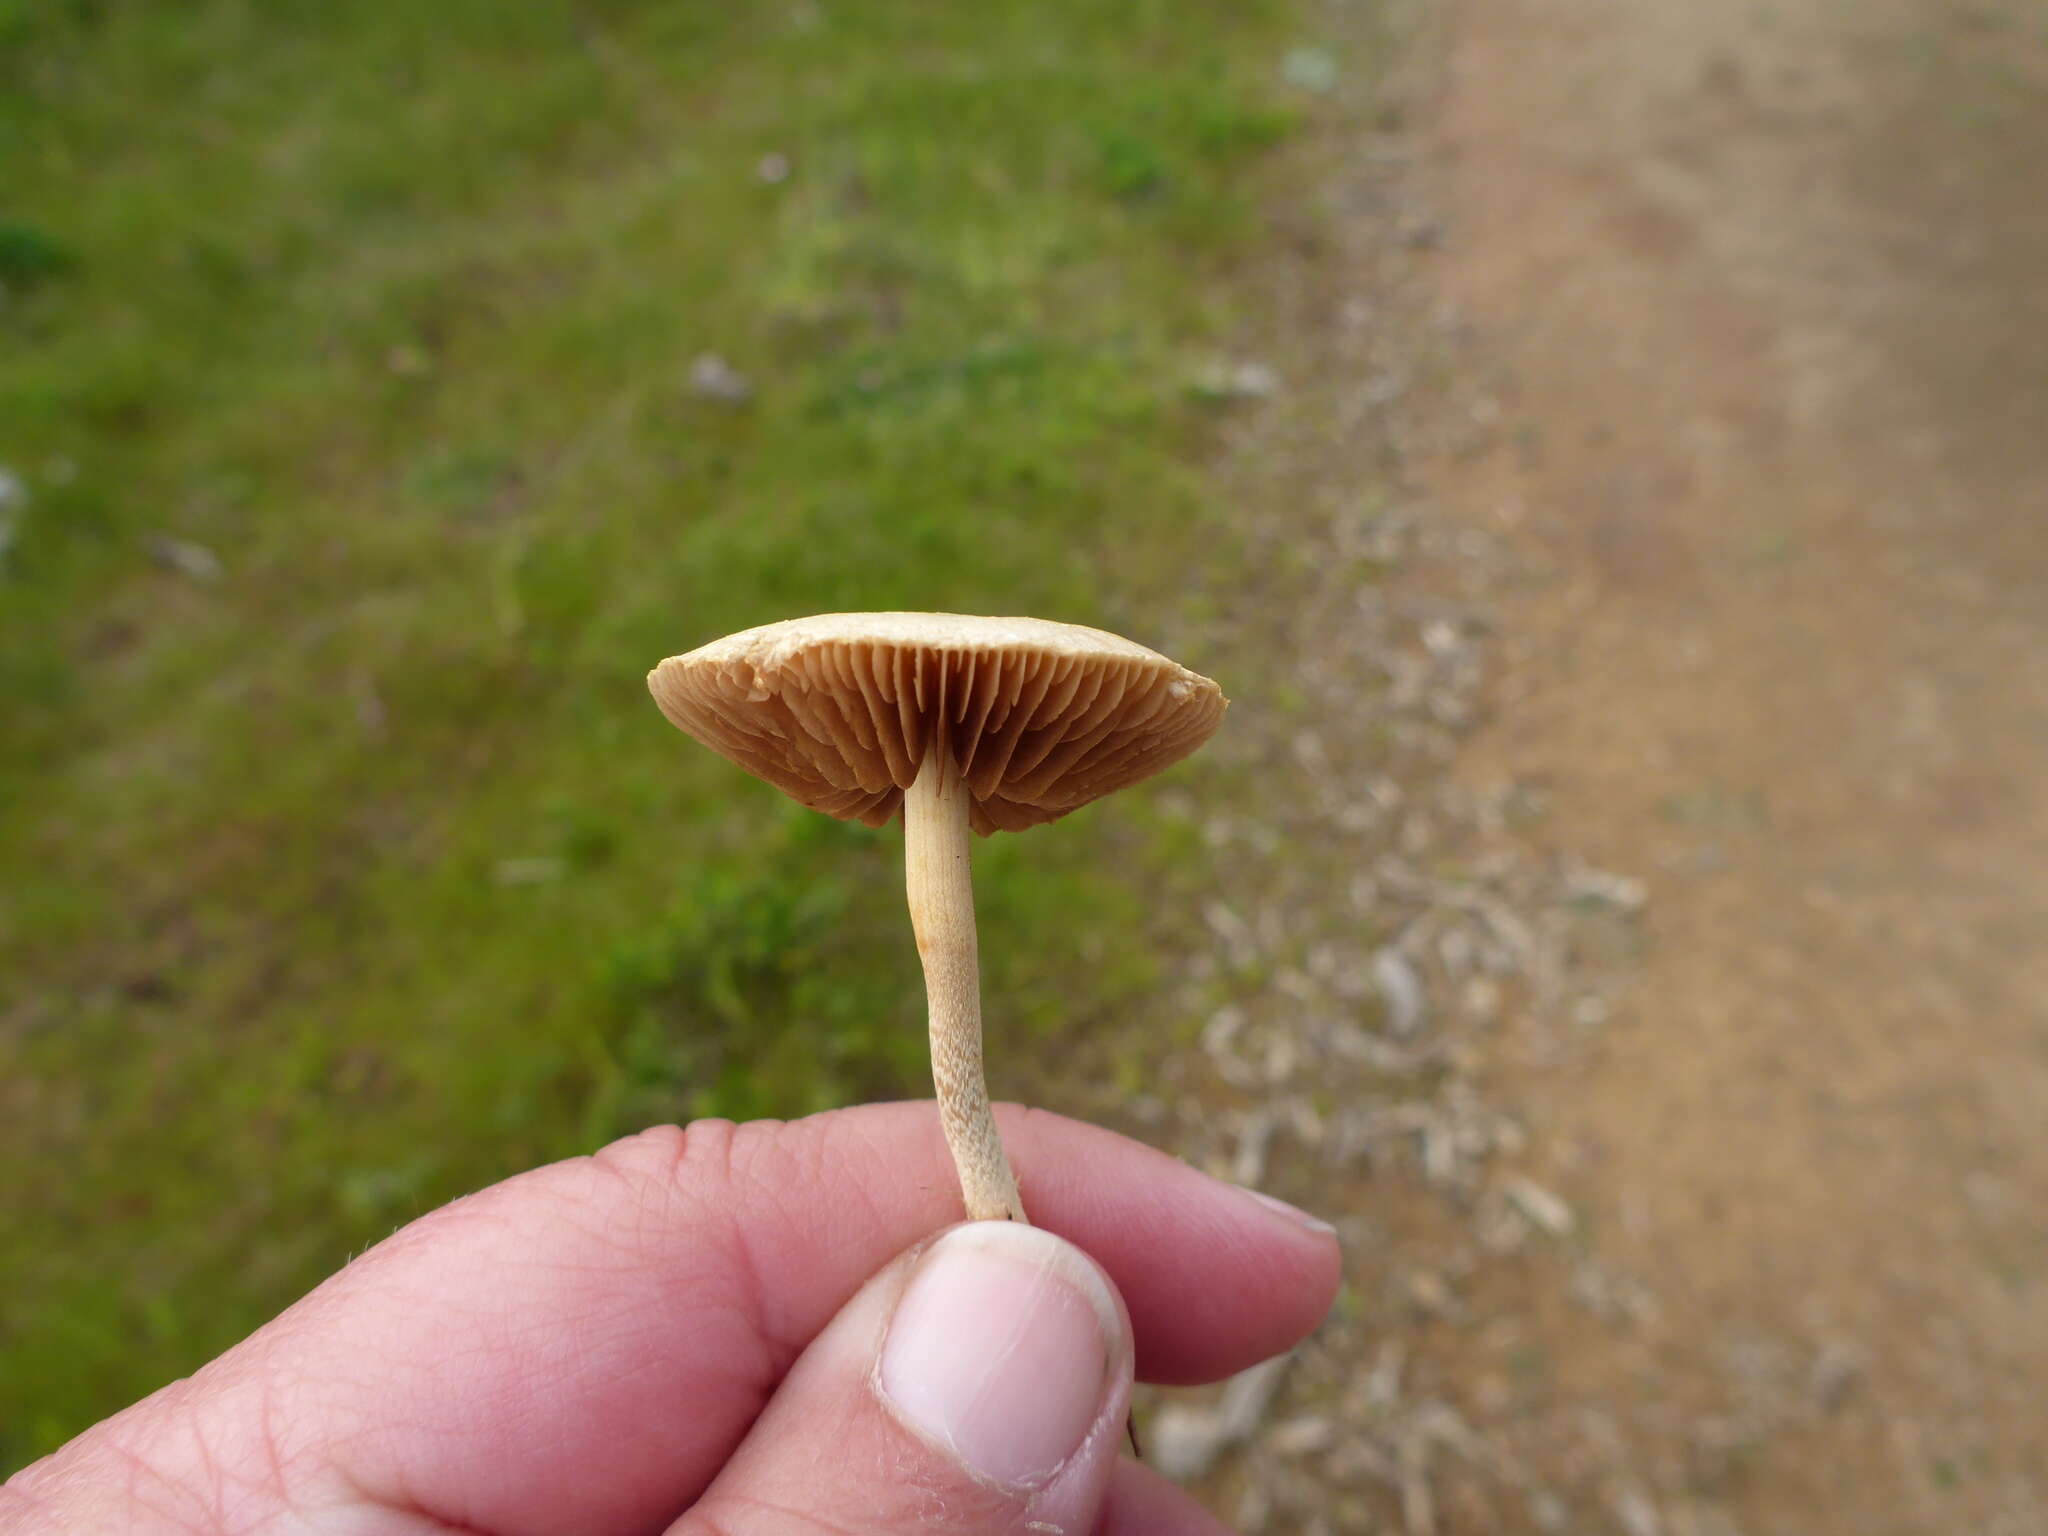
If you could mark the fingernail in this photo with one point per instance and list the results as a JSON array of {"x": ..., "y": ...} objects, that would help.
[
  {"x": 1293, "y": 1213},
  {"x": 1000, "y": 1349}
]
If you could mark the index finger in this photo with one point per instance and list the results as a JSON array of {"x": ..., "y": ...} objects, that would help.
[{"x": 581, "y": 1347}]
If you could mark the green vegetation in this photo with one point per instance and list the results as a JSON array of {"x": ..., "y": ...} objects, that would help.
[{"x": 346, "y": 356}]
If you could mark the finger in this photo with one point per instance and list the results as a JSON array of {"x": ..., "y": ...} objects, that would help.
[
  {"x": 584, "y": 1345},
  {"x": 979, "y": 1384},
  {"x": 1267, "y": 1272},
  {"x": 624, "y": 1319},
  {"x": 1140, "y": 1502}
]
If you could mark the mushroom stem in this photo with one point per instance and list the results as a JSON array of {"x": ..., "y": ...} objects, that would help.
[{"x": 939, "y": 881}]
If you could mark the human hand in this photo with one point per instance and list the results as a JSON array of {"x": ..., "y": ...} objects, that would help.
[{"x": 726, "y": 1331}]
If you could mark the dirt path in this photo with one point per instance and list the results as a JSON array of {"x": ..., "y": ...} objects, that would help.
[
  {"x": 1630, "y": 913},
  {"x": 1640, "y": 945},
  {"x": 1758, "y": 289}
]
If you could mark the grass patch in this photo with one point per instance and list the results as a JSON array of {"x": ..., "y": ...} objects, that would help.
[{"x": 360, "y": 870}]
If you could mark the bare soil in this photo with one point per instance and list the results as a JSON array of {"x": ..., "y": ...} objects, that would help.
[
  {"x": 1648, "y": 961},
  {"x": 1765, "y": 287}
]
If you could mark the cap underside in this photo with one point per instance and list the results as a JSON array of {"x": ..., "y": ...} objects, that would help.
[{"x": 839, "y": 711}]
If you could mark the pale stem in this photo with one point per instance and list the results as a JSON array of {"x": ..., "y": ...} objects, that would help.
[{"x": 939, "y": 881}]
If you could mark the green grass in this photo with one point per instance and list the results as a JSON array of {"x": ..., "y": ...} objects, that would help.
[{"x": 367, "y": 872}]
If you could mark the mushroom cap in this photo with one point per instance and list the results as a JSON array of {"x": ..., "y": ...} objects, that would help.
[{"x": 1040, "y": 718}]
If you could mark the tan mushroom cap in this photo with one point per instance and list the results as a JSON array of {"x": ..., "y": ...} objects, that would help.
[{"x": 1041, "y": 718}]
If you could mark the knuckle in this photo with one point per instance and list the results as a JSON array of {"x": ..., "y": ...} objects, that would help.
[{"x": 665, "y": 1155}]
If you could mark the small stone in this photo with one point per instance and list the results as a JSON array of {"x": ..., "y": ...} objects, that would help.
[
  {"x": 1246, "y": 1395},
  {"x": 1383, "y": 1384},
  {"x": 1428, "y": 1291},
  {"x": 1237, "y": 381},
  {"x": 1624, "y": 893},
  {"x": 1544, "y": 1209},
  {"x": 536, "y": 871},
  {"x": 186, "y": 558},
  {"x": 1400, "y": 990},
  {"x": 713, "y": 378},
  {"x": 773, "y": 168},
  {"x": 1182, "y": 1442},
  {"x": 1248, "y": 1165},
  {"x": 1636, "y": 1515},
  {"x": 1310, "y": 69},
  {"x": 1300, "y": 1436}
]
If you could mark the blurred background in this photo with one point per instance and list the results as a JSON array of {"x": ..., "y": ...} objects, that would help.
[{"x": 1601, "y": 446}]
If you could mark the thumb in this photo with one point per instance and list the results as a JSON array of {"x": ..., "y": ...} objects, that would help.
[{"x": 979, "y": 1383}]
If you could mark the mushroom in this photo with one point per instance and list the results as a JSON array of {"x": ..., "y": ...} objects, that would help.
[{"x": 982, "y": 723}]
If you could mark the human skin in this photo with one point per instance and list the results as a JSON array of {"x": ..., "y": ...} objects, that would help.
[{"x": 726, "y": 1329}]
